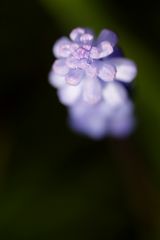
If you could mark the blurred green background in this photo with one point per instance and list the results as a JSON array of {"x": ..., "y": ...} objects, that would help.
[{"x": 55, "y": 184}]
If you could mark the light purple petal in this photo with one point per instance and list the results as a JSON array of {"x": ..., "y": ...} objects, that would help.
[
  {"x": 106, "y": 72},
  {"x": 96, "y": 121},
  {"x": 86, "y": 40},
  {"x": 69, "y": 95},
  {"x": 81, "y": 53},
  {"x": 72, "y": 62},
  {"x": 94, "y": 53},
  {"x": 83, "y": 36},
  {"x": 107, "y": 35},
  {"x": 87, "y": 47},
  {"x": 62, "y": 48},
  {"x": 74, "y": 76},
  {"x": 56, "y": 81},
  {"x": 104, "y": 49},
  {"x": 91, "y": 70},
  {"x": 123, "y": 121},
  {"x": 82, "y": 63},
  {"x": 114, "y": 94},
  {"x": 76, "y": 63},
  {"x": 60, "y": 67},
  {"x": 92, "y": 90},
  {"x": 126, "y": 69},
  {"x": 92, "y": 126},
  {"x": 89, "y": 120},
  {"x": 76, "y": 34}
]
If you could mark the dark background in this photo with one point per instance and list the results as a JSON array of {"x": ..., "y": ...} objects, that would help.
[{"x": 55, "y": 184}]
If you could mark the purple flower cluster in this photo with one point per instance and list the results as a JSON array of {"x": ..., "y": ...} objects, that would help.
[{"x": 90, "y": 76}]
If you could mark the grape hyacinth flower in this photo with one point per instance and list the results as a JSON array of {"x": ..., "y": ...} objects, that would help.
[{"x": 92, "y": 76}]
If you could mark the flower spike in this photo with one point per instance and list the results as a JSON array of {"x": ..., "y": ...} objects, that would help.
[{"x": 91, "y": 76}]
